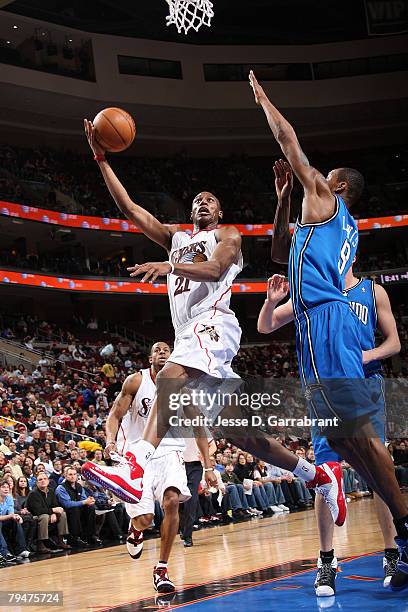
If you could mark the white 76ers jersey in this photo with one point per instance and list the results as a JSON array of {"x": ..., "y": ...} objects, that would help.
[
  {"x": 189, "y": 299},
  {"x": 134, "y": 421}
]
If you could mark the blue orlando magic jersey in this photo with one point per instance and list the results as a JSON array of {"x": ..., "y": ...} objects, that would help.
[
  {"x": 362, "y": 300},
  {"x": 320, "y": 256}
]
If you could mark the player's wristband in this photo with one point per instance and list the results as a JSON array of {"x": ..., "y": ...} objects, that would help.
[
  {"x": 98, "y": 157},
  {"x": 171, "y": 266},
  {"x": 208, "y": 469}
]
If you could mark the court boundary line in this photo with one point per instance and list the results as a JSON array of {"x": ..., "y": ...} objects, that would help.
[{"x": 236, "y": 590}]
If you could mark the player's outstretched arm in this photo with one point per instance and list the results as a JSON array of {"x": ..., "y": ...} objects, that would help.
[
  {"x": 272, "y": 316},
  {"x": 146, "y": 222},
  {"x": 391, "y": 344},
  {"x": 285, "y": 135},
  {"x": 225, "y": 253},
  {"x": 119, "y": 408},
  {"x": 281, "y": 235},
  {"x": 319, "y": 203}
]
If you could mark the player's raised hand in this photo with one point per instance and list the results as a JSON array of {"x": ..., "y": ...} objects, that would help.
[
  {"x": 259, "y": 93},
  {"x": 90, "y": 134},
  {"x": 151, "y": 270},
  {"x": 283, "y": 179},
  {"x": 277, "y": 288}
]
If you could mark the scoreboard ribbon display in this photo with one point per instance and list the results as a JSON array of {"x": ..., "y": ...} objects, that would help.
[{"x": 53, "y": 217}]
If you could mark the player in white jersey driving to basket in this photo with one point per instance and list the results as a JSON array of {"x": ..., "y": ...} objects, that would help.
[
  {"x": 200, "y": 270},
  {"x": 165, "y": 478}
]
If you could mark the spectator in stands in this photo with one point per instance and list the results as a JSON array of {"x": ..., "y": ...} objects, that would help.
[
  {"x": 20, "y": 493},
  {"x": 80, "y": 509},
  {"x": 11, "y": 531},
  {"x": 56, "y": 476},
  {"x": 21, "y": 442},
  {"x": 36, "y": 441},
  {"x": 98, "y": 458},
  {"x": 257, "y": 503},
  {"x": 14, "y": 464},
  {"x": 272, "y": 487},
  {"x": 28, "y": 472},
  {"x": 43, "y": 505},
  {"x": 400, "y": 457},
  {"x": 44, "y": 460},
  {"x": 235, "y": 491},
  {"x": 293, "y": 489}
]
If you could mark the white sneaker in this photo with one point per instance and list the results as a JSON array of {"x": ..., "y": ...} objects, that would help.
[
  {"x": 24, "y": 554},
  {"x": 276, "y": 509},
  {"x": 134, "y": 542},
  {"x": 125, "y": 480},
  {"x": 283, "y": 508}
]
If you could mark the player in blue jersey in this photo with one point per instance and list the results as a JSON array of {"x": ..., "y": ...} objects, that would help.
[
  {"x": 372, "y": 306},
  {"x": 322, "y": 249}
]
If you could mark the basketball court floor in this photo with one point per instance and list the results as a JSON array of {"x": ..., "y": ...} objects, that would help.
[{"x": 263, "y": 564}]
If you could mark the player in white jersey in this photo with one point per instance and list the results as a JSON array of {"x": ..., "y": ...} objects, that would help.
[
  {"x": 165, "y": 478},
  {"x": 200, "y": 270}
]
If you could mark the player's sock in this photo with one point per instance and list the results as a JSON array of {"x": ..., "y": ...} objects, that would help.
[
  {"x": 305, "y": 470},
  {"x": 401, "y": 525},
  {"x": 162, "y": 564},
  {"x": 390, "y": 553},
  {"x": 144, "y": 451},
  {"x": 327, "y": 556}
]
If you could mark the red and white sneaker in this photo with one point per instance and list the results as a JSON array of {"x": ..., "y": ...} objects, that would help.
[
  {"x": 329, "y": 483},
  {"x": 125, "y": 479},
  {"x": 134, "y": 542},
  {"x": 161, "y": 580}
]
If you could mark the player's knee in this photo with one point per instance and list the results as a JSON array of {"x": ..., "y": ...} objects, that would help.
[{"x": 171, "y": 501}]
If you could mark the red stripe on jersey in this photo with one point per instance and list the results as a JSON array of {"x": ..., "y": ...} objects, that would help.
[{"x": 201, "y": 346}]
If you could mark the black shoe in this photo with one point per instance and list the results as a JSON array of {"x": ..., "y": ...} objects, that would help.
[
  {"x": 78, "y": 543},
  {"x": 95, "y": 541},
  {"x": 188, "y": 542},
  {"x": 164, "y": 600},
  {"x": 42, "y": 549},
  {"x": 52, "y": 546},
  {"x": 5, "y": 563},
  {"x": 325, "y": 583},
  {"x": 399, "y": 580},
  {"x": 8, "y": 561},
  {"x": 390, "y": 568}
]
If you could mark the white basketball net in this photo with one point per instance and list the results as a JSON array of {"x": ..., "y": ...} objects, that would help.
[{"x": 186, "y": 14}]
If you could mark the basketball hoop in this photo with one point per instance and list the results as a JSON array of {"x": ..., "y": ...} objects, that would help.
[{"x": 186, "y": 14}]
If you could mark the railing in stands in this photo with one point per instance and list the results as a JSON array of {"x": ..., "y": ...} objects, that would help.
[
  {"x": 73, "y": 433},
  {"x": 12, "y": 422},
  {"x": 128, "y": 334}
]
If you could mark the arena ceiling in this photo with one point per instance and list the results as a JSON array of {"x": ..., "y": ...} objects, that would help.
[{"x": 235, "y": 21}]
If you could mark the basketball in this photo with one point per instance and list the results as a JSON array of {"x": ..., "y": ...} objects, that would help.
[{"x": 115, "y": 129}]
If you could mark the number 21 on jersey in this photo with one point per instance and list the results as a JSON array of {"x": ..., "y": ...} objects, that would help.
[{"x": 182, "y": 285}]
